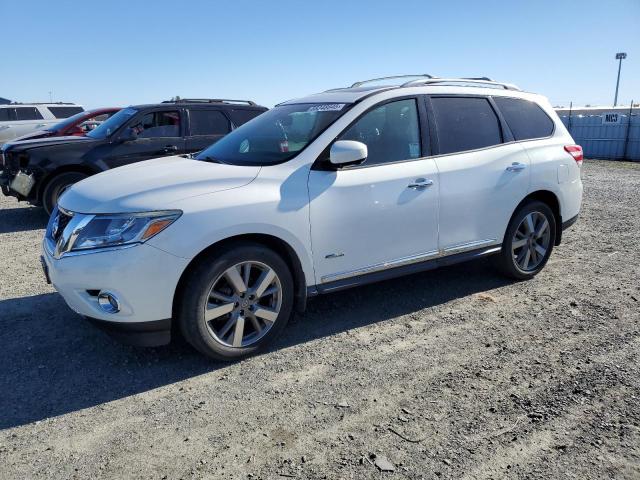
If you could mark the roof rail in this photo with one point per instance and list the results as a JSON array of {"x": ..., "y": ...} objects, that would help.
[
  {"x": 480, "y": 81},
  {"x": 41, "y": 103},
  {"x": 362, "y": 82},
  {"x": 210, "y": 100}
]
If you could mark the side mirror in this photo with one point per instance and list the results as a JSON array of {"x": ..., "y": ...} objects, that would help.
[
  {"x": 129, "y": 135},
  {"x": 348, "y": 152}
]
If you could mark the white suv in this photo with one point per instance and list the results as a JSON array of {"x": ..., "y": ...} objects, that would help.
[
  {"x": 321, "y": 193},
  {"x": 18, "y": 119}
]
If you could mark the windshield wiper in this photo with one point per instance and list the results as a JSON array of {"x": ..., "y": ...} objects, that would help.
[{"x": 212, "y": 160}]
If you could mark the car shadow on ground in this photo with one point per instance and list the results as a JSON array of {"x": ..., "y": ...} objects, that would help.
[
  {"x": 54, "y": 362},
  {"x": 22, "y": 219}
]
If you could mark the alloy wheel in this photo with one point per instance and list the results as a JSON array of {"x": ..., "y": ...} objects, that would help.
[
  {"x": 243, "y": 304},
  {"x": 531, "y": 241}
]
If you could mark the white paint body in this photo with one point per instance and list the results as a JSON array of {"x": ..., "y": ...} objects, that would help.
[
  {"x": 16, "y": 128},
  {"x": 338, "y": 223}
]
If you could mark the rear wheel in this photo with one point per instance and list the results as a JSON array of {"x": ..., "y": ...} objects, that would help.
[
  {"x": 528, "y": 242},
  {"x": 57, "y": 186},
  {"x": 236, "y": 301}
]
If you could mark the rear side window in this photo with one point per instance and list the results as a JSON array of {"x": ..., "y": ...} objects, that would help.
[
  {"x": 525, "y": 119},
  {"x": 240, "y": 117},
  {"x": 6, "y": 114},
  {"x": 391, "y": 132},
  {"x": 65, "y": 112},
  {"x": 465, "y": 123},
  {"x": 208, "y": 122},
  {"x": 28, "y": 113}
]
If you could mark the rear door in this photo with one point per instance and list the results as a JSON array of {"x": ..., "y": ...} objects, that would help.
[
  {"x": 159, "y": 133},
  {"x": 206, "y": 126},
  {"x": 484, "y": 174}
]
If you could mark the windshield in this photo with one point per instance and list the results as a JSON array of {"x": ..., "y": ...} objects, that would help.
[
  {"x": 275, "y": 136},
  {"x": 66, "y": 122},
  {"x": 106, "y": 128}
]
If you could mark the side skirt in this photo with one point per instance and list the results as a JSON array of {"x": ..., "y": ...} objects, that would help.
[{"x": 401, "y": 271}]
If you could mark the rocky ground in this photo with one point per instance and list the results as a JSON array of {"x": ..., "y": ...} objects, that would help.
[{"x": 455, "y": 373}]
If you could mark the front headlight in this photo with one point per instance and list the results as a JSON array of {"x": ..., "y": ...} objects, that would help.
[{"x": 122, "y": 229}]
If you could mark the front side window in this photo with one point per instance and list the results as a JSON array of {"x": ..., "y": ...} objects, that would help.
[
  {"x": 158, "y": 124},
  {"x": 276, "y": 136},
  {"x": 465, "y": 123},
  {"x": 28, "y": 113},
  {"x": 6, "y": 114},
  {"x": 391, "y": 132},
  {"x": 525, "y": 118},
  {"x": 208, "y": 122},
  {"x": 110, "y": 126}
]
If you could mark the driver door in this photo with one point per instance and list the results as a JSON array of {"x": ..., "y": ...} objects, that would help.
[
  {"x": 159, "y": 134},
  {"x": 382, "y": 213}
]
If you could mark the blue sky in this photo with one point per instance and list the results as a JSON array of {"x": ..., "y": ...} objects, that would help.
[{"x": 102, "y": 53}]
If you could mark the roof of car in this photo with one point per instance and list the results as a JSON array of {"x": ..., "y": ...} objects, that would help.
[{"x": 359, "y": 90}]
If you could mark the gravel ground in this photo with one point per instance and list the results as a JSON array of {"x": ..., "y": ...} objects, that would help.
[{"x": 455, "y": 373}]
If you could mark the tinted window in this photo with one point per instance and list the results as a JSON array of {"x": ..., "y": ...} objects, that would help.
[
  {"x": 28, "y": 113},
  {"x": 465, "y": 124},
  {"x": 158, "y": 124},
  {"x": 240, "y": 117},
  {"x": 65, "y": 112},
  {"x": 391, "y": 132},
  {"x": 5, "y": 114},
  {"x": 525, "y": 119},
  {"x": 208, "y": 122}
]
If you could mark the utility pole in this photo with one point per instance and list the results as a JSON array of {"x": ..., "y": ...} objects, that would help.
[
  {"x": 50, "y": 97},
  {"x": 619, "y": 56}
]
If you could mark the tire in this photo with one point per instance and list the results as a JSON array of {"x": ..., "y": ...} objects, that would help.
[
  {"x": 232, "y": 329},
  {"x": 532, "y": 249},
  {"x": 56, "y": 187}
]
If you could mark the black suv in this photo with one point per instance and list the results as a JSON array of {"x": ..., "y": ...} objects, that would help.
[{"x": 40, "y": 170}]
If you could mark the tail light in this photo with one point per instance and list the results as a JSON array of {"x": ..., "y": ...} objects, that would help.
[{"x": 576, "y": 152}]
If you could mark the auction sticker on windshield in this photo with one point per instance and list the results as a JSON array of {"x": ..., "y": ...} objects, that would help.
[{"x": 326, "y": 107}]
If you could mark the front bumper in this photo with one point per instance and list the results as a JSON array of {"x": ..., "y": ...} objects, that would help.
[{"x": 142, "y": 277}]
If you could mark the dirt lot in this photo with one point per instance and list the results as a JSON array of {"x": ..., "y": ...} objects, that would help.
[{"x": 455, "y": 373}]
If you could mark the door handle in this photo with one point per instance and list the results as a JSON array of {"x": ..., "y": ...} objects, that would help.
[
  {"x": 170, "y": 148},
  {"x": 41, "y": 125},
  {"x": 516, "y": 167},
  {"x": 420, "y": 183}
]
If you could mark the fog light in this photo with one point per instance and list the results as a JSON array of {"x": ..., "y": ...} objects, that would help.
[{"x": 108, "y": 302}]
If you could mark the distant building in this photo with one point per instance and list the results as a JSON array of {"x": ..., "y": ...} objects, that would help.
[
  {"x": 4, "y": 101},
  {"x": 586, "y": 111}
]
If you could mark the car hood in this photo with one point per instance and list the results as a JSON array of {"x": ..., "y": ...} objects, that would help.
[
  {"x": 19, "y": 145},
  {"x": 34, "y": 135},
  {"x": 153, "y": 185}
]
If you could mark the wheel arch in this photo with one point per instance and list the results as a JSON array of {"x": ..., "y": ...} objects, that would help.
[
  {"x": 276, "y": 244},
  {"x": 75, "y": 168},
  {"x": 551, "y": 199}
]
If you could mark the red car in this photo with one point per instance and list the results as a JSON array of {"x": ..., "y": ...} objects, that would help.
[{"x": 76, "y": 125}]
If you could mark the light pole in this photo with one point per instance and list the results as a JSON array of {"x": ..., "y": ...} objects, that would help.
[{"x": 619, "y": 56}]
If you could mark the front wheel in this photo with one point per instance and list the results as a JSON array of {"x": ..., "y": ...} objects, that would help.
[
  {"x": 236, "y": 301},
  {"x": 57, "y": 186},
  {"x": 528, "y": 242}
]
